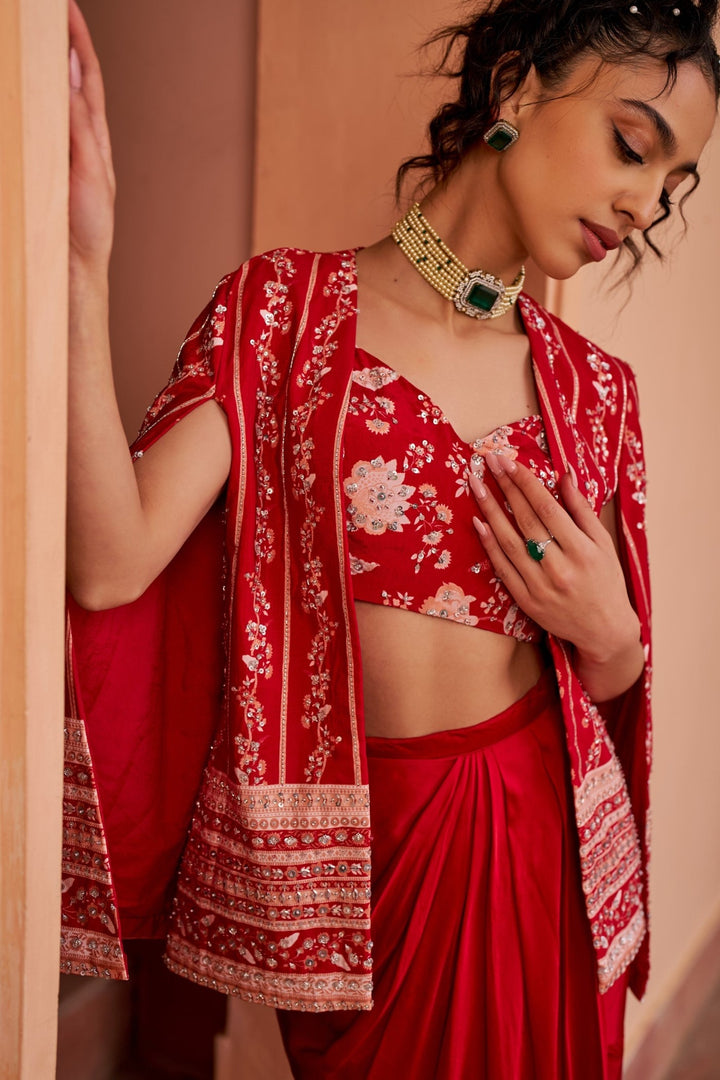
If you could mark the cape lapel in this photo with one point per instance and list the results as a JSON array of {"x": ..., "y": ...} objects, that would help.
[{"x": 610, "y": 852}]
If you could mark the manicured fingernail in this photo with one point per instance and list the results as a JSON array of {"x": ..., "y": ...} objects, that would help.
[
  {"x": 478, "y": 487},
  {"x": 509, "y": 465},
  {"x": 573, "y": 475},
  {"x": 482, "y": 529},
  {"x": 494, "y": 464},
  {"x": 75, "y": 70}
]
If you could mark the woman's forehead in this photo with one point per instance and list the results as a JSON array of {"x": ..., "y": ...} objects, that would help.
[{"x": 687, "y": 103}]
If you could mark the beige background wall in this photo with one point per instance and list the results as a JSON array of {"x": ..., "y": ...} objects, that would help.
[
  {"x": 180, "y": 80},
  {"x": 341, "y": 101},
  {"x": 337, "y": 109}
]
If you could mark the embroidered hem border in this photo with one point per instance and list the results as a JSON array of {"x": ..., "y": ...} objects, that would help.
[
  {"x": 273, "y": 895},
  {"x": 301, "y": 992},
  {"x": 611, "y": 869},
  {"x": 622, "y": 951},
  {"x": 92, "y": 948}
]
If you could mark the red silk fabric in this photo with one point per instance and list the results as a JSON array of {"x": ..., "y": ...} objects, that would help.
[{"x": 484, "y": 963}]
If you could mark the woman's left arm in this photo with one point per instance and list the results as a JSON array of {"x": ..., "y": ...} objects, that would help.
[{"x": 577, "y": 591}]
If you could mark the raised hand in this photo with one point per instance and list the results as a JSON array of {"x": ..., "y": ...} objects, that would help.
[
  {"x": 577, "y": 589},
  {"x": 92, "y": 179}
]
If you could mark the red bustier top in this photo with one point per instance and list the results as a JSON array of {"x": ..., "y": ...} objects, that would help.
[{"x": 409, "y": 508}]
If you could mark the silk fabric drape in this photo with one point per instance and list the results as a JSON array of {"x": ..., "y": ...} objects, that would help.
[{"x": 484, "y": 964}]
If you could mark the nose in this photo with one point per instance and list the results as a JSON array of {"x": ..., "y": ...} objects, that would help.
[{"x": 640, "y": 204}]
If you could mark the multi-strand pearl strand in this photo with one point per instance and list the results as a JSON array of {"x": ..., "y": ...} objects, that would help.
[{"x": 431, "y": 256}]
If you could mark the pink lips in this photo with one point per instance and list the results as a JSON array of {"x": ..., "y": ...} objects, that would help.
[{"x": 599, "y": 240}]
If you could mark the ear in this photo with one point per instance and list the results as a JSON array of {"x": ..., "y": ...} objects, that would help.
[{"x": 515, "y": 98}]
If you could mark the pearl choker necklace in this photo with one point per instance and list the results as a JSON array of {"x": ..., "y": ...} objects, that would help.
[{"x": 475, "y": 293}]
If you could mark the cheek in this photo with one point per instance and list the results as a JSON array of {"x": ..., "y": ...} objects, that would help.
[
  {"x": 568, "y": 167},
  {"x": 540, "y": 185}
]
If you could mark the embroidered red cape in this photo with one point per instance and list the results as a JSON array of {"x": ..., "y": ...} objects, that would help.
[{"x": 216, "y": 782}]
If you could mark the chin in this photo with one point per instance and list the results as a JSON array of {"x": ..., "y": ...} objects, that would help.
[{"x": 560, "y": 269}]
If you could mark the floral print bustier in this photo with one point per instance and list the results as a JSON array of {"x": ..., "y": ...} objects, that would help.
[{"x": 409, "y": 507}]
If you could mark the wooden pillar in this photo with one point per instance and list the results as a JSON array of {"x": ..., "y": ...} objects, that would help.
[{"x": 33, "y": 333}]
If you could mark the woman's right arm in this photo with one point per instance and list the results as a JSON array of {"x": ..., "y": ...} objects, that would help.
[{"x": 125, "y": 521}]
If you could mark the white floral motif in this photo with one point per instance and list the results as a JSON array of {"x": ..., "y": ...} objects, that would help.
[
  {"x": 257, "y": 658},
  {"x": 195, "y": 358},
  {"x": 433, "y": 520},
  {"x": 429, "y": 411},
  {"x": 636, "y": 470},
  {"x": 378, "y": 410},
  {"x": 418, "y": 454},
  {"x": 607, "y": 392},
  {"x": 400, "y": 600},
  {"x": 456, "y": 461},
  {"x": 341, "y": 286}
]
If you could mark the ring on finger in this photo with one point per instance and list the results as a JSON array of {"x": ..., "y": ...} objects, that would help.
[{"x": 536, "y": 548}]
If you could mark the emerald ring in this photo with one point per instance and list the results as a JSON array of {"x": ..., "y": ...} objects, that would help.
[{"x": 536, "y": 548}]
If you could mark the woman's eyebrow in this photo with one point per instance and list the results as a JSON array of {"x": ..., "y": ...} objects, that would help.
[{"x": 665, "y": 133}]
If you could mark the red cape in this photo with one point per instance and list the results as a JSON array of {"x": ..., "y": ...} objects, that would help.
[{"x": 253, "y": 855}]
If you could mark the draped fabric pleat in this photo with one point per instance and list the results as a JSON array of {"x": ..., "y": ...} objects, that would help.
[{"x": 484, "y": 964}]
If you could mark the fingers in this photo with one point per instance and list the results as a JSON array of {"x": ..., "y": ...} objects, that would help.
[
  {"x": 85, "y": 155},
  {"x": 580, "y": 509},
  {"x": 534, "y": 508},
  {"x": 92, "y": 179},
  {"x": 508, "y": 553},
  {"x": 504, "y": 565},
  {"x": 75, "y": 70},
  {"x": 86, "y": 79},
  {"x": 504, "y": 533},
  {"x": 536, "y": 512},
  {"x": 577, "y": 588},
  {"x": 80, "y": 38}
]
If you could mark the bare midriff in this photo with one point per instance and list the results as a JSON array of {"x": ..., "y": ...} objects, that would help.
[{"x": 423, "y": 674}]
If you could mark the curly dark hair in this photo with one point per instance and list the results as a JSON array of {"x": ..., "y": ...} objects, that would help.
[{"x": 492, "y": 52}]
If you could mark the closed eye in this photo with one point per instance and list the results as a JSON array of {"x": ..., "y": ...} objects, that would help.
[
  {"x": 625, "y": 150},
  {"x": 627, "y": 154}
]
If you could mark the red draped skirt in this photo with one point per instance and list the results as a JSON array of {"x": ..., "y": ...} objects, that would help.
[{"x": 484, "y": 965}]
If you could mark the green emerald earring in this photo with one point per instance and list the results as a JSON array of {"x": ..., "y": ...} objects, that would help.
[{"x": 501, "y": 135}]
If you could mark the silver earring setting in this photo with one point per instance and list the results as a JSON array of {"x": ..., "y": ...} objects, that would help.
[{"x": 501, "y": 135}]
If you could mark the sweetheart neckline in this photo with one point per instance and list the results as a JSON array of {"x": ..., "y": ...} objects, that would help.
[{"x": 475, "y": 443}]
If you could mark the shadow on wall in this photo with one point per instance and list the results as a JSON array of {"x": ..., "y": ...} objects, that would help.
[{"x": 157, "y": 1026}]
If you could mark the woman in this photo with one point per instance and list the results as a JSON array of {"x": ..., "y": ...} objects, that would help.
[{"x": 355, "y": 416}]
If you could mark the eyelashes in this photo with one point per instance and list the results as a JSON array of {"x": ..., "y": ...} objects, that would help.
[
  {"x": 628, "y": 155},
  {"x": 626, "y": 151}
]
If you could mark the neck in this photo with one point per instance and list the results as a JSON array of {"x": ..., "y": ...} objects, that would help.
[{"x": 469, "y": 212}]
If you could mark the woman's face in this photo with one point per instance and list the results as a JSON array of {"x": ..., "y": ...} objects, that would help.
[{"x": 591, "y": 167}]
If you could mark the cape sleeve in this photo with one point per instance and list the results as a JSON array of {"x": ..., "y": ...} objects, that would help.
[
  {"x": 631, "y": 737},
  {"x": 143, "y": 684},
  {"x": 629, "y": 718}
]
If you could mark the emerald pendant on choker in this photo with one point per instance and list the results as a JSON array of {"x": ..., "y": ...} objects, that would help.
[{"x": 473, "y": 292}]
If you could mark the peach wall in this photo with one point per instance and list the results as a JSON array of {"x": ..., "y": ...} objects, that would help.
[
  {"x": 180, "y": 83},
  {"x": 12, "y": 545},
  {"x": 341, "y": 102},
  {"x": 33, "y": 329},
  {"x": 339, "y": 106},
  {"x": 667, "y": 334}
]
